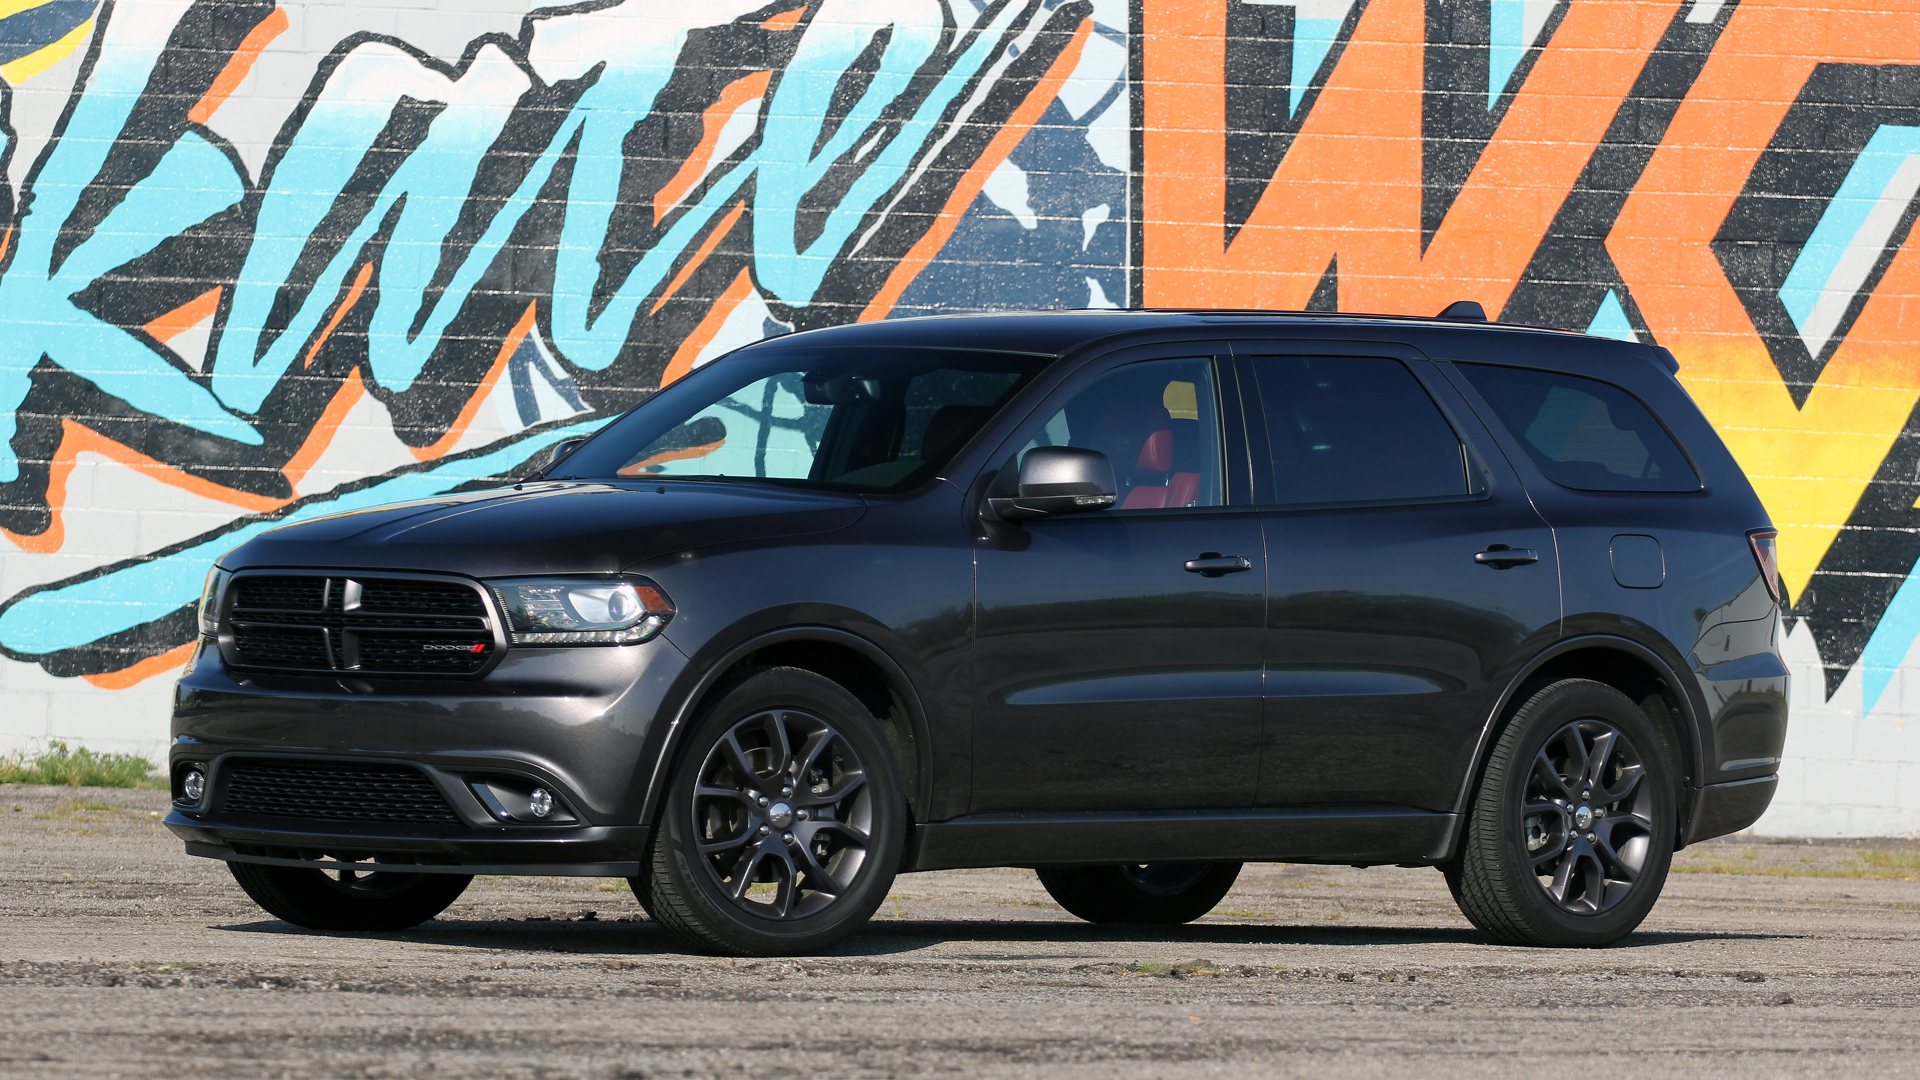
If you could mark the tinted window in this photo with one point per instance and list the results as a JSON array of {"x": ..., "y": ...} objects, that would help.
[
  {"x": 863, "y": 419},
  {"x": 1354, "y": 428},
  {"x": 1158, "y": 424},
  {"x": 1583, "y": 433}
]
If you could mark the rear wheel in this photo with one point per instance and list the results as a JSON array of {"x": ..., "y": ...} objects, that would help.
[
  {"x": 784, "y": 822},
  {"x": 1572, "y": 824},
  {"x": 1156, "y": 893},
  {"x": 348, "y": 899}
]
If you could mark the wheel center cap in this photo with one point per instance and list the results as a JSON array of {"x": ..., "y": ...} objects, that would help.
[
  {"x": 1583, "y": 818},
  {"x": 780, "y": 815}
]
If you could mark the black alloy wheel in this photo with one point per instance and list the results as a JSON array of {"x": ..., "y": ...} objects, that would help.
[
  {"x": 1164, "y": 894},
  {"x": 784, "y": 814},
  {"x": 1589, "y": 817},
  {"x": 1572, "y": 825},
  {"x": 783, "y": 822},
  {"x": 370, "y": 899}
]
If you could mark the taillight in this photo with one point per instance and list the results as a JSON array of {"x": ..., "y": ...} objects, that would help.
[{"x": 1762, "y": 540}]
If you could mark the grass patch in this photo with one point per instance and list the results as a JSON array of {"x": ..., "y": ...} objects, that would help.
[
  {"x": 63, "y": 766},
  {"x": 1899, "y": 868},
  {"x": 1891, "y": 859},
  {"x": 87, "y": 810},
  {"x": 1246, "y": 914}
]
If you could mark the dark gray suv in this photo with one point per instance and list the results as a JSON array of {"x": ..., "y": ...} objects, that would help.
[{"x": 1126, "y": 597}]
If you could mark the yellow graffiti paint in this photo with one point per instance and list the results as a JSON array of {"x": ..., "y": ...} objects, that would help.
[{"x": 36, "y": 62}]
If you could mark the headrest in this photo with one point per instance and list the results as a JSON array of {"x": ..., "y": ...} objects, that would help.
[{"x": 949, "y": 426}]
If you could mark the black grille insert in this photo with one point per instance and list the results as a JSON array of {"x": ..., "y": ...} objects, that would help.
[
  {"x": 368, "y": 624},
  {"x": 390, "y": 596},
  {"x": 334, "y": 791},
  {"x": 281, "y": 646},
  {"x": 291, "y": 594}
]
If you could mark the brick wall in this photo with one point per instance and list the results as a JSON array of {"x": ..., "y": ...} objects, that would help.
[{"x": 261, "y": 263}]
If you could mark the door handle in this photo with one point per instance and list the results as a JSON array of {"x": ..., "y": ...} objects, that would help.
[
  {"x": 1502, "y": 557},
  {"x": 1214, "y": 564}
]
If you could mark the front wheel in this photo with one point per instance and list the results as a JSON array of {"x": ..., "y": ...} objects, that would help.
[
  {"x": 1572, "y": 825},
  {"x": 1165, "y": 894},
  {"x": 348, "y": 899},
  {"x": 783, "y": 824}
]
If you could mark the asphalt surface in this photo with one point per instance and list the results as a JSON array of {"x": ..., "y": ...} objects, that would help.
[{"x": 120, "y": 956}]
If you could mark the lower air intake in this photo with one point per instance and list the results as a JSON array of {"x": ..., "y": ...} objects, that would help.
[{"x": 330, "y": 791}]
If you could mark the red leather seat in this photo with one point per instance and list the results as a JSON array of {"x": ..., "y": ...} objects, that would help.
[
  {"x": 1156, "y": 456},
  {"x": 1183, "y": 489}
]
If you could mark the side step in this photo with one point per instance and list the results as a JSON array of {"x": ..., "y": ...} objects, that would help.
[{"x": 1335, "y": 834}]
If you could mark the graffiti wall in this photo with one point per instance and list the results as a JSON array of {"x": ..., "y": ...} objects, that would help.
[{"x": 260, "y": 262}]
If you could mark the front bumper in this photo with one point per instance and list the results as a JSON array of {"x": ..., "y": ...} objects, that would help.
[
  {"x": 477, "y": 842},
  {"x": 582, "y": 851},
  {"x": 579, "y": 722}
]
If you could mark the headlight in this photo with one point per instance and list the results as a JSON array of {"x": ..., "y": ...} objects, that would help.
[
  {"x": 211, "y": 595},
  {"x": 582, "y": 611}
]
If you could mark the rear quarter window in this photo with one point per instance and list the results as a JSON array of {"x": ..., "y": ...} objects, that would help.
[{"x": 1583, "y": 433}]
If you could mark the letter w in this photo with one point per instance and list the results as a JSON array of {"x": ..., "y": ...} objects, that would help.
[{"x": 1350, "y": 184}]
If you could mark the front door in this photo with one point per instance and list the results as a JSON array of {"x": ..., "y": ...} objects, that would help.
[
  {"x": 1408, "y": 574},
  {"x": 1117, "y": 653}
]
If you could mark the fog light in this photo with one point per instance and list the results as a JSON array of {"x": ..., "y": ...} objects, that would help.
[
  {"x": 194, "y": 785},
  {"x": 512, "y": 799}
]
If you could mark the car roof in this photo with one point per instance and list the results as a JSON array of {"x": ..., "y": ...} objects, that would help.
[{"x": 1055, "y": 332}]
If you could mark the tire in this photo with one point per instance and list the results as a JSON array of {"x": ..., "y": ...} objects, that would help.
[
  {"x": 817, "y": 821},
  {"x": 318, "y": 900},
  {"x": 1161, "y": 894},
  {"x": 1578, "y": 760}
]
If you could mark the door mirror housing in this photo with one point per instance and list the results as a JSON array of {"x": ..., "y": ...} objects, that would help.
[
  {"x": 564, "y": 449},
  {"x": 1057, "y": 480}
]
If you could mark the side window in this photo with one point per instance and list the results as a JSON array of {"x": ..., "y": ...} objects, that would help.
[
  {"x": 1355, "y": 428},
  {"x": 1158, "y": 422},
  {"x": 1583, "y": 433}
]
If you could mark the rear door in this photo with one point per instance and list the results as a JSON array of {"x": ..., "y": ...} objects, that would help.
[{"x": 1407, "y": 574}]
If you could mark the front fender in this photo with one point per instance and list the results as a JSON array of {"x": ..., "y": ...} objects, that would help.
[{"x": 749, "y": 635}]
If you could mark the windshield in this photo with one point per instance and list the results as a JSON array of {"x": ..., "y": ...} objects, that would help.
[{"x": 859, "y": 419}]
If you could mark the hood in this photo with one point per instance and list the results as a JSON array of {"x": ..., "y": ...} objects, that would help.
[{"x": 549, "y": 528}]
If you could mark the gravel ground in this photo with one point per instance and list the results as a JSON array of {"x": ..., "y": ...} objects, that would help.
[{"x": 121, "y": 956}]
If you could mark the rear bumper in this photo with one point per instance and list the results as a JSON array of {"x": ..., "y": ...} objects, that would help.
[
  {"x": 581, "y": 851},
  {"x": 1720, "y": 809}
]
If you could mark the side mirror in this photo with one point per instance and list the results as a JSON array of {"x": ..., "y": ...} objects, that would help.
[
  {"x": 1058, "y": 480},
  {"x": 565, "y": 448}
]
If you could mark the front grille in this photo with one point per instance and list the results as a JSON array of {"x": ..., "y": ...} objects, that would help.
[
  {"x": 367, "y": 624},
  {"x": 330, "y": 791}
]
